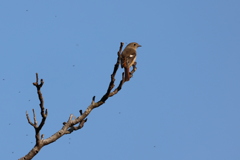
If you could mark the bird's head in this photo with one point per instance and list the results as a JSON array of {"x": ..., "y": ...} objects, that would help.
[{"x": 134, "y": 45}]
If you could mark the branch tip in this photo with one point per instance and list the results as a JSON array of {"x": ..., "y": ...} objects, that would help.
[{"x": 80, "y": 112}]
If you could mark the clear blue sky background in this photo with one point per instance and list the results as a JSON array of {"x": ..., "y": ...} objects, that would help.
[{"x": 183, "y": 103}]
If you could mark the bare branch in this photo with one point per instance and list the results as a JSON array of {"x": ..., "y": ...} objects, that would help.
[
  {"x": 38, "y": 138},
  {"x": 69, "y": 126},
  {"x": 111, "y": 84}
]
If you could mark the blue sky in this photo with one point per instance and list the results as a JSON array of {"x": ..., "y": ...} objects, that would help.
[{"x": 182, "y": 103}]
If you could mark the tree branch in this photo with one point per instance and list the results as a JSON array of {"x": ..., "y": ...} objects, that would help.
[{"x": 69, "y": 126}]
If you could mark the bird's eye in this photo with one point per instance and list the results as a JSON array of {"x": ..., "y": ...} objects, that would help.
[{"x": 134, "y": 44}]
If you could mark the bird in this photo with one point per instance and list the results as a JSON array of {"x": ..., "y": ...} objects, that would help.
[{"x": 128, "y": 58}]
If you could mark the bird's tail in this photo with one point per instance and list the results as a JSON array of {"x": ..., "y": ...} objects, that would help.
[{"x": 127, "y": 76}]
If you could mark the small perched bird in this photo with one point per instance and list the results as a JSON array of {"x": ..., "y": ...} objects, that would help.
[{"x": 128, "y": 58}]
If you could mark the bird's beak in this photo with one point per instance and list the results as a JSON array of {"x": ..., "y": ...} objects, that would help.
[{"x": 139, "y": 46}]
